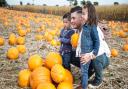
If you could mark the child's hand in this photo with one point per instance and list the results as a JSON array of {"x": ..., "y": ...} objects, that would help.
[{"x": 85, "y": 58}]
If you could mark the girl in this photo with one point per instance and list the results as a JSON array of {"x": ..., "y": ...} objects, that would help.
[{"x": 88, "y": 44}]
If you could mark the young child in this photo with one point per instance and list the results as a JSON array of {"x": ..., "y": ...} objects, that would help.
[
  {"x": 65, "y": 37},
  {"x": 88, "y": 44},
  {"x": 100, "y": 62}
]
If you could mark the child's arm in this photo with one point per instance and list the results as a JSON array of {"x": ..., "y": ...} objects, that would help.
[
  {"x": 95, "y": 38},
  {"x": 67, "y": 40}
]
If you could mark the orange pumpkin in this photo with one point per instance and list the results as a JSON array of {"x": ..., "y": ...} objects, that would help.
[
  {"x": 54, "y": 43},
  {"x": 21, "y": 48},
  {"x": 53, "y": 58},
  {"x": 74, "y": 40},
  {"x": 35, "y": 61},
  {"x": 22, "y": 32},
  {"x": 1, "y": 41},
  {"x": 114, "y": 52},
  {"x": 122, "y": 34},
  {"x": 23, "y": 78},
  {"x": 12, "y": 39},
  {"x": 65, "y": 85},
  {"x": 46, "y": 86},
  {"x": 12, "y": 53},
  {"x": 125, "y": 47},
  {"x": 58, "y": 73},
  {"x": 38, "y": 76},
  {"x": 38, "y": 37},
  {"x": 20, "y": 40},
  {"x": 69, "y": 77}
]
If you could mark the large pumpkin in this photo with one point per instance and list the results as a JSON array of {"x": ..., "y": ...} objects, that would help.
[
  {"x": 12, "y": 39},
  {"x": 24, "y": 77},
  {"x": 46, "y": 86},
  {"x": 53, "y": 58},
  {"x": 74, "y": 40},
  {"x": 69, "y": 77},
  {"x": 20, "y": 40},
  {"x": 114, "y": 52},
  {"x": 12, "y": 53},
  {"x": 65, "y": 85},
  {"x": 38, "y": 76},
  {"x": 35, "y": 61},
  {"x": 21, "y": 48},
  {"x": 58, "y": 73},
  {"x": 1, "y": 41}
]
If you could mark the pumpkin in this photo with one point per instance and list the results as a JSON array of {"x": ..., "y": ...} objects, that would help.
[
  {"x": 65, "y": 85},
  {"x": 74, "y": 40},
  {"x": 53, "y": 58},
  {"x": 21, "y": 48},
  {"x": 23, "y": 78},
  {"x": 20, "y": 40},
  {"x": 13, "y": 53},
  {"x": 12, "y": 39},
  {"x": 114, "y": 52},
  {"x": 38, "y": 76},
  {"x": 35, "y": 61},
  {"x": 1, "y": 41},
  {"x": 54, "y": 43},
  {"x": 22, "y": 32},
  {"x": 122, "y": 34},
  {"x": 46, "y": 86},
  {"x": 69, "y": 77},
  {"x": 58, "y": 73},
  {"x": 125, "y": 47}
]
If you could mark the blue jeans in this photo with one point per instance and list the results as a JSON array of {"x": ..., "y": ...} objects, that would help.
[
  {"x": 97, "y": 65},
  {"x": 84, "y": 74},
  {"x": 67, "y": 60}
]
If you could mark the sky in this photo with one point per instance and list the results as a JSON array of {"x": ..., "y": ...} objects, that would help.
[{"x": 62, "y": 2}]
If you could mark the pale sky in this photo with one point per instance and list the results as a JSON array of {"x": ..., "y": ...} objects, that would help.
[{"x": 62, "y": 2}]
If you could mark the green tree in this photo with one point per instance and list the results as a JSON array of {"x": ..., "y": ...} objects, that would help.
[
  {"x": 75, "y": 2},
  {"x": 3, "y": 3},
  {"x": 70, "y": 2}
]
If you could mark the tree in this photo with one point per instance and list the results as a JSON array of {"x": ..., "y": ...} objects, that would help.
[
  {"x": 3, "y": 3},
  {"x": 116, "y": 3},
  {"x": 75, "y": 3},
  {"x": 21, "y": 3},
  {"x": 96, "y": 3},
  {"x": 83, "y": 2},
  {"x": 70, "y": 1}
]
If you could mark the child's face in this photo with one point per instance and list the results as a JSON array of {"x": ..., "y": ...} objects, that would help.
[
  {"x": 66, "y": 23},
  {"x": 85, "y": 15}
]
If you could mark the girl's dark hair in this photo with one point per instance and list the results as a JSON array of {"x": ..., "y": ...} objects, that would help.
[
  {"x": 92, "y": 16},
  {"x": 67, "y": 16}
]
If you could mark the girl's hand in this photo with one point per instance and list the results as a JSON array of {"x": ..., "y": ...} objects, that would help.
[{"x": 85, "y": 58}]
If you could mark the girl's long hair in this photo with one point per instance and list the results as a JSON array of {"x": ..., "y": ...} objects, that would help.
[{"x": 92, "y": 16}]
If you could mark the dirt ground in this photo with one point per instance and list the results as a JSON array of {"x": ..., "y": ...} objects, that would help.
[{"x": 115, "y": 76}]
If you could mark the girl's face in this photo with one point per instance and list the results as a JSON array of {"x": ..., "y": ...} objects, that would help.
[
  {"x": 84, "y": 15},
  {"x": 66, "y": 23}
]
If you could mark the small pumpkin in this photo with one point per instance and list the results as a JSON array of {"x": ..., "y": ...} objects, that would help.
[
  {"x": 21, "y": 48},
  {"x": 125, "y": 47},
  {"x": 74, "y": 40},
  {"x": 22, "y": 32},
  {"x": 20, "y": 40},
  {"x": 24, "y": 77},
  {"x": 12, "y": 39},
  {"x": 13, "y": 53},
  {"x": 69, "y": 77},
  {"x": 114, "y": 52},
  {"x": 1, "y": 41}
]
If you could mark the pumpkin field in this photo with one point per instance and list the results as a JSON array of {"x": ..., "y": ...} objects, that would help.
[{"x": 29, "y": 57}]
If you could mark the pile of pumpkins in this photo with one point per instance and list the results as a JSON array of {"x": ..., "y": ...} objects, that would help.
[{"x": 45, "y": 73}]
